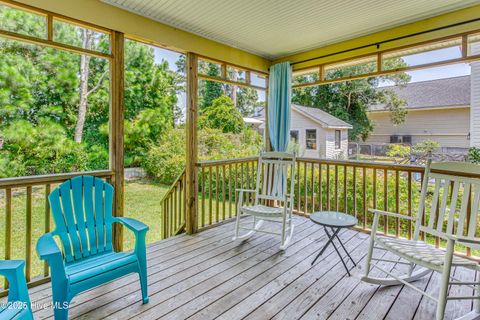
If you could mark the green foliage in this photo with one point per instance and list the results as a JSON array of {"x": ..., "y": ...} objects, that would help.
[
  {"x": 349, "y": 100},
  {"x": 166, "y": 159},
  {"x": 212, "y": 89},
  {"x": 398, "y": 150},
  {"x": 40, "y": 149},
  {"x": 395, "y": 105},
  {"x": 222, "y": 115},
  {"x": 426, "y": 146},
  {"x": 474, "y": 155}
]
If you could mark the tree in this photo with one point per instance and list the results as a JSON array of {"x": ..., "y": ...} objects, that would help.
[
  {"x": 223, "y": 115},
  {"x": 350, "y": 100},
  {"x": 212, "y": 89}
]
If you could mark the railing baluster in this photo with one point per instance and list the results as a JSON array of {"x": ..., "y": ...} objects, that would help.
[
  {"x": 223, "y": 192},
  {"x": 203, "y": 197},
  {"x": 229, "y": 190},
  {"x": 336, "y": 187},
  {"x": 327, "y": 200},
  {"x": 409, "y": 204},
  {"x": 364, "y": 194},
  {"x": 28, "y": 236},
  {"x": 305, "y": 189},
  {"x": 298, "y": 188},
  {"x": 320, "y": 188},
  {"x": 47, "y": 224},
  {"x": 354, "y": 191},
  {"x": 312, "y": 200},
  {"x": 385, "y": 200},
  {"x": 8, "y": 227},
  {"x": 236, "y": 187},
  {"x": 217, "y": 203},
  {"x": 210, "y": 195},
  {"x": 397, "y": 202},
  {"x": 345, "y": 198}
]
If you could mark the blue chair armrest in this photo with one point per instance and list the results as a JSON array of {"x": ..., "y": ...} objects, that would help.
[
  {"x": 47, "y": 247},
  {"x": 132, "y": 224},
  {"x": 8, "y": 265},
  {"x": 13, "y": 271}
]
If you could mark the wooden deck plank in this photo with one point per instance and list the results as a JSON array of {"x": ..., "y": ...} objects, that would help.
[
  {"x": 325, "y": 271},
  {"x": 181, "y": 293},
  {"x": 358, "y": 296},
  {"x": 326, "y": 293},
  {"x": 161, "y": 289},
  {"x": 230, "y": 294},
  {"x": 207, "y": 276}
]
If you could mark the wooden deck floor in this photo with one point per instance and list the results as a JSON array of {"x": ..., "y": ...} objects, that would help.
[{"x": 208, "y": 276}]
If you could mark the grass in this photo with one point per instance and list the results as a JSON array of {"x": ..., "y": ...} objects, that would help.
[{"x": 142, "y": 199}]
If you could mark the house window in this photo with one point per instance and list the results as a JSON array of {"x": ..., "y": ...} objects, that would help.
[
  {"x": 294, "y": 136},
  {"x": 338, "y": 139},
  {"x": 311, "y": 139}
]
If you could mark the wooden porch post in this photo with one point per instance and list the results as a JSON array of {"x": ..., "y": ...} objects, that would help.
[
  {"x": 116, "y": 148},
  {"x": 191, "y": 144}
]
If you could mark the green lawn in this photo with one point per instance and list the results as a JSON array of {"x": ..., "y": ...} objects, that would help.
[{"x": 142, "y": 199}]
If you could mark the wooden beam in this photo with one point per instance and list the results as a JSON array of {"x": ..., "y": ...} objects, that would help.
[
  {"x": 117, "y": 109},
  {"x": 191, "y": 144}
]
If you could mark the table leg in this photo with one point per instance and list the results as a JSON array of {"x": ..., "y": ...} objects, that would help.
[
  {"x": 348, "y": 254},
  {"x": 330, "y": 240},
  {"x": 335, "y": 235}
]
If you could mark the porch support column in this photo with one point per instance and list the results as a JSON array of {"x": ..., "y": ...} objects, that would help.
[
  {"x": 116, "y": 147},
  {"x": 191, "y": 144},
  {"x": 266, "y": 133}
]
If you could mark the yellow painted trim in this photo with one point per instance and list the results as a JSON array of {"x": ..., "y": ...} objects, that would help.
[
  {"x": 431, "y": 23},
  {"x": 147, "y": 30}
]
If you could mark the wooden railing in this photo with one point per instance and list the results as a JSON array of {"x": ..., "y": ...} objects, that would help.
[
  {"x": 25, "y": 213},
  {"x": 173, "y": 208}
]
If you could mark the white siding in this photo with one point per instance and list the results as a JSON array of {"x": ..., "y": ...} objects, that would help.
[
  {"x": 475, "y": 99},
  {"x": 325, "y": 138},
  {"x": 449, "y": 127}
]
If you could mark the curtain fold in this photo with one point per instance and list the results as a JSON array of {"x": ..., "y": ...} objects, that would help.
[{"x": 279, "y": 103}]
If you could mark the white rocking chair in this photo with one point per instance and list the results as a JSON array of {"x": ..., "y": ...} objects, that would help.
[
  {"x": 451, "y": 196},
  {"x": 273, "y": 171}
]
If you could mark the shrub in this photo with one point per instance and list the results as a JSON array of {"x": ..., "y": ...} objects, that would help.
[
  {"x": 474, "y": 155},
  {"x": 398, "y": 150},
  {"x": 223, "y": 115},
  {"x": 426, "y": 146}
]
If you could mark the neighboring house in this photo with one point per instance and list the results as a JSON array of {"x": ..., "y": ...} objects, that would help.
[
  {"x": 438, "y": 110},
  {"x": 317, "y": 133}
]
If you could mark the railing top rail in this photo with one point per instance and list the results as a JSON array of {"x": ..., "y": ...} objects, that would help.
[
  {"x": 49, "y": 178},
  {"x": 210, "y": 163},
  {"x": 366, "y": 164}
]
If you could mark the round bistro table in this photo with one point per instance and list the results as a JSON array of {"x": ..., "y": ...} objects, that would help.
[{"x": 335, "y": 221}]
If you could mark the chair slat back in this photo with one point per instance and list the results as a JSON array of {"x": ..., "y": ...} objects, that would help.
[
  {"x": 274, "y": 170},
  {"x": 450, "y": 199},
  {"x": 82, "y": 211}
]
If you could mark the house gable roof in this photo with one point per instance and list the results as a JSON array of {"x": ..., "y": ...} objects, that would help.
[
  {"x": 325, "y": 119},
  {"x": 317, "y": 115},
  {"x": 449, "y": 92}
]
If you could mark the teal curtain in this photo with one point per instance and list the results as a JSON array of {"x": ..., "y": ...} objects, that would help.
[{"x": 279, "y": 102}]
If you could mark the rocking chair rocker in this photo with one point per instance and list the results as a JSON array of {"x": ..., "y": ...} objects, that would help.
[
  {"x": 273, "y": 171},
  {"x": 447, "y": 219}
]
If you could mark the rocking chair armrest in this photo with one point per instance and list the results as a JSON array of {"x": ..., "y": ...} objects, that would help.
[
  {"x": 464, "y": 240},
  {"x": 392, "y": 214},
  {"x": 47, "y": 248},
  {"x": 132, "y": 224}
]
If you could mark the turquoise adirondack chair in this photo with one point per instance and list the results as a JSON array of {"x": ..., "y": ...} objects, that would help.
[
  {"x": 18, "y": 301},
  {"x": 82, "y": 211}
]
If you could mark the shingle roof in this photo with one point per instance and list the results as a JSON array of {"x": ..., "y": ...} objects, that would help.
[
  {"x": 433, "y": 93},
  {"x": 324, "y": 118}
]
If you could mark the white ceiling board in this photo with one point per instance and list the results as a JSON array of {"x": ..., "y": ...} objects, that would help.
[{"x": 276, "y": 28}]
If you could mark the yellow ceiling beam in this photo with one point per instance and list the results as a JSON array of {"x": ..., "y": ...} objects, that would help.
[
  {"x": 144, "y": 29},
  {"x": 411, "y": 28}
]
